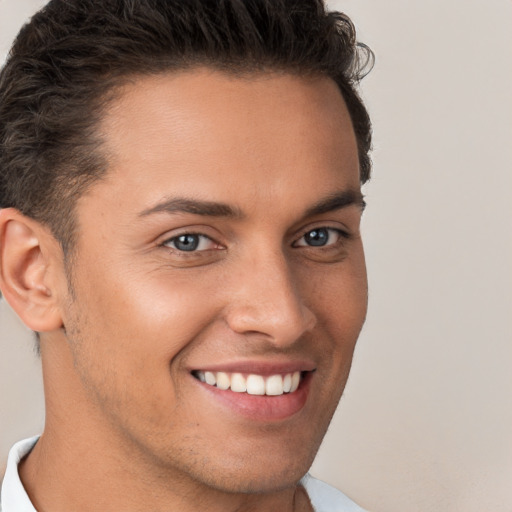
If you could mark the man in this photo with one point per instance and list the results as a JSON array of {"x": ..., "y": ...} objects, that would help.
[{"x": 180, "y": 193}]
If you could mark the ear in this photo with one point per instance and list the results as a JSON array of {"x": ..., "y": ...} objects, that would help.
[{"x": 30, "y": 267}]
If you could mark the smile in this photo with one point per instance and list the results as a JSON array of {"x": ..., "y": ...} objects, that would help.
[{"x": 252, "y": 384}]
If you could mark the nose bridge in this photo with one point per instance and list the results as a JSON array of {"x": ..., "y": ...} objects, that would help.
[{"x": 267, "y": 299}]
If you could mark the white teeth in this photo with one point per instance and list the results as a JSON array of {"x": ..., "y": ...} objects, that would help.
[
  {"x": 210, "y": 378},
  {"x": 238, "y": 384},
  {"x": 295, "y": 382},
  {"x": 287, "y": 383},
  {"x": 253, "y": 384},
  {"x": 274, "y": 385},
  {"x": 223, "y": 380}
]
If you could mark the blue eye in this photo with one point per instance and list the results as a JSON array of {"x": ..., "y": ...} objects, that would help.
[
  {"x": 190, "y": 242},
  {"x": 319, "y": 237}
]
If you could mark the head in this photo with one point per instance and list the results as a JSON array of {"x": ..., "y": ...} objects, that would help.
[{"x": 181, "y": 181}]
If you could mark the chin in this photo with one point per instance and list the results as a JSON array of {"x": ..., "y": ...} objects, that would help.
[
  {"x": 262, "y": 481},
  {"x": 262, "y": 473}
]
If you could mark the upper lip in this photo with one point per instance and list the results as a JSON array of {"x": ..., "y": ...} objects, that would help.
[{"x": 259, "y": 367}]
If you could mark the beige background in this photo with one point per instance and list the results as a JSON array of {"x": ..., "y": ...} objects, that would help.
[{"x": 426, "y": 421}]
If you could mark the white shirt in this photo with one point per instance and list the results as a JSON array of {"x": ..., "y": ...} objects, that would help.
[{"x": 323, "y": 497}]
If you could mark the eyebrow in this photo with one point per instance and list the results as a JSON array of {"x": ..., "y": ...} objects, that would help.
[
  {"x": 337, "y": 201},
  {"x": 195, "y": 207},
  {"x": 331, "y": 203}
]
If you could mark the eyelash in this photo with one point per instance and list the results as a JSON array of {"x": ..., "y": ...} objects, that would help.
[
  {"x": 200, "y": 236},
  {"x": 342, "y": 234},
  {"x": 339, "y": 232}
]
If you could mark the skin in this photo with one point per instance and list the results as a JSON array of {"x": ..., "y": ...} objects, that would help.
[{"x": 128, "y": 426}]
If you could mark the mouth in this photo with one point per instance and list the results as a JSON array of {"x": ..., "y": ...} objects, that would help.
[
  {"x": 260, "y": 391},
  {"x": 252, "y": 383}
]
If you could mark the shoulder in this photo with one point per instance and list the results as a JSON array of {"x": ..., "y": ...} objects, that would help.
[{"x": 325, "y": 498}]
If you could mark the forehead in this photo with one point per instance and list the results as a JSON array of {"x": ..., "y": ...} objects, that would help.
[{"x": 226, "y": 135}]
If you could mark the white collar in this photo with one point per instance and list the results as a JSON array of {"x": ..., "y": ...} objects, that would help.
[{"x": 14, "y": 498}]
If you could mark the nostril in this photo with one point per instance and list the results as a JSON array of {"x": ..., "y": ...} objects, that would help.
[{"x": 282, "y": 324}]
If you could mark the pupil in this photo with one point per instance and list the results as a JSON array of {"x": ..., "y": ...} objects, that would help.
[
  {"x": 317, "y": 237},
  {"x": 187, "y": 242}
]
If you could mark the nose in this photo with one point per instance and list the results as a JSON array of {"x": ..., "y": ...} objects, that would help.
[{"x": 265, "y": 300}]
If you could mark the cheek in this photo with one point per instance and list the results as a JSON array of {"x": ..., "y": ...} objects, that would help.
[
  {"x": 339, "y": 297},
  {"x": 340, "y": 304},
  {"x": 128, "y": 334},
  {"x": 152, "y": 313}
]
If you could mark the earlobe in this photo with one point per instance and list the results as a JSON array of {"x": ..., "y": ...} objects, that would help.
[{"x": 27, "y": 277}]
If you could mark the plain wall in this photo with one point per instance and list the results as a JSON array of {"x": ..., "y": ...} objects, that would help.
[{"x": 425, "y": 424}]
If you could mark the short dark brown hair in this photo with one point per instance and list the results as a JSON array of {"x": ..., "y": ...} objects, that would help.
[{"x": 72, "y": 55}]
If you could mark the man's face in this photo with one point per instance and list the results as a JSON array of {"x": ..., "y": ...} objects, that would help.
[{"x": 224, "y": 245}]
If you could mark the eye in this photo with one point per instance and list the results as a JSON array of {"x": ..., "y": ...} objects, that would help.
[
  {"x": 191, "y": 242},
  {"x": 320, "y": 237}
]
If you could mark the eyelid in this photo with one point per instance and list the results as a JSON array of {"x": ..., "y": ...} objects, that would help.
[
  {"x": 343, "y": 234},
  {"x": 202, "y": 239},
  {"x": 166, "y": 242}
]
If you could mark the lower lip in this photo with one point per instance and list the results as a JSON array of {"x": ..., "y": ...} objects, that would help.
[{"x": 262, "y": 407}]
